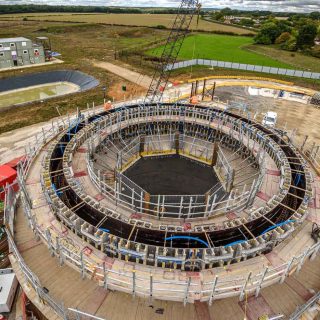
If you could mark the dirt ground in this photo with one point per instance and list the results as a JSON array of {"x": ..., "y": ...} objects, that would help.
[{"x": 303, "y": 117}]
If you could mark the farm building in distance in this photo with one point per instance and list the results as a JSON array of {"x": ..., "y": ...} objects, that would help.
[{"x": 17, "y": 52}]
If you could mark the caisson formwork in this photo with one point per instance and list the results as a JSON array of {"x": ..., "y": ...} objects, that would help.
[{"x": 131, "y": 195}]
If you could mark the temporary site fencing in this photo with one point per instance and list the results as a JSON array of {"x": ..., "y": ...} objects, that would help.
[
  {"x": 135, "y": 283},
  {"x": 246, "y": 67}
]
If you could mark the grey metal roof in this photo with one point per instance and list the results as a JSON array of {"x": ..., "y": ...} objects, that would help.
[{"x": 18, "y": 39}]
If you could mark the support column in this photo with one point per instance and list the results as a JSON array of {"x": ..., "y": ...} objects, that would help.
[
  {"x": 304, "y": 142},
  {"x": 230, "y": 181},
  {"x": 177, "y": 142},
  {"x": 191, "y": 92},
  {"x": 215, "y": 154},
  {"x": 147, "y": 202},
  {"x": 213, "y": 91},
  {"x": 204, "y": 88},
  {"x": 142, "y": 144},
  {"x": 196, "y": 88}
]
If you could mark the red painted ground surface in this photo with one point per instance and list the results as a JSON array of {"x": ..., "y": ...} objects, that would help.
[
  {"x": 202, "y": 310},
  {"x": 82, "y": 150},
  {"x": 313, "y": 218},
  {"x": 273, "y": 172},
  {"x": 263, "y": 196},
  {"x": 274, "y": 259},
  {"x": 99, "y": 197},
  {"x": 28, "y": 245},
  {"x": 299, "y": 288},
  {"x": 96, "y": 299},
  {"x": 256, "y": 307},
  {"x": 136, "y": 216},
  {"x": 80, "y": 174},
  {"x": 231, "y": 215}
]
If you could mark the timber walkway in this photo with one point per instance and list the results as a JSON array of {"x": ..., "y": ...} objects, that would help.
[{"x": 66, "y": 285}]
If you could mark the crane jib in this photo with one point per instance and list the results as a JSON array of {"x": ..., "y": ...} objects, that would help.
[{"x": 180, "y": 27}]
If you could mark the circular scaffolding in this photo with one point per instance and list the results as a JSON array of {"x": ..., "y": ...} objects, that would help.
[{"x": 228, "y": 222}]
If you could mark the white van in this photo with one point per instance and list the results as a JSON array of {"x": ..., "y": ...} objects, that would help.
[{"x": 270, "y": 119}]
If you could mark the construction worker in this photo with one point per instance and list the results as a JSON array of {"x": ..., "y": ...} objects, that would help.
[
  {"x": 108, "y": 106},
  {"x": 194, "y": 100}
]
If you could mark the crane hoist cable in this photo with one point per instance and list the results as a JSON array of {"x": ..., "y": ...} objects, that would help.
[{"x": 195, "y": 38}]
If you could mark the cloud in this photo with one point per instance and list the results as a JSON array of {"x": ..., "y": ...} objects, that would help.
[{"x": 272, "y": 5}]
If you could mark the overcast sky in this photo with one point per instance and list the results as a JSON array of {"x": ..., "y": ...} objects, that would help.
[{"x": 273, "y": 5}]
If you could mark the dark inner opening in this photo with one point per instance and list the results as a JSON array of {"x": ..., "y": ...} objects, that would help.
[{"x": 173, "y": 175}]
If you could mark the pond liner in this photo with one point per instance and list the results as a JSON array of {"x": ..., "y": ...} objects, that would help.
[{"x": 83, "y": 80}]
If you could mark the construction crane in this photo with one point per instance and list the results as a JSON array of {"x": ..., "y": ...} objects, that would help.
[{"x": 187, "y": 9}]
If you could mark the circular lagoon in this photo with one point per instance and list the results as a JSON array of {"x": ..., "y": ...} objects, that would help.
[{"x": 41, "y": 86}]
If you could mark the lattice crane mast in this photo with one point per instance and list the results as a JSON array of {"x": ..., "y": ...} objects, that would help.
[{"x": 187, "y": 9}]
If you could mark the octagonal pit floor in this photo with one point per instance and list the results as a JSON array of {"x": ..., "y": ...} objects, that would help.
[{"x": 173, "y": 175}]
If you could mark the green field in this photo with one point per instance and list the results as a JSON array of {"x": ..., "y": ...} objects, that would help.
[{"x": 224, "y": 48}]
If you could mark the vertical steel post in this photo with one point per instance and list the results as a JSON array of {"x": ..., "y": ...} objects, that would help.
[
  {"x": 285, "y": 274},
  {"x": 185, "y": 300},
  {"x": 105, "y": 277},
  {"x": 181, "y": 206},
  {"x": 243, "y": 290},
  {"x": 82, "y": 265},
  {"x": 204, "y": 88},
  {"x": 151, "y": 287},
  {"x": 214, "y": 285},
  {"x": 134, "y": 283},
  {"x": 261, "y": 282}
]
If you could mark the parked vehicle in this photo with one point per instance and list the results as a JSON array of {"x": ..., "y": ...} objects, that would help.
[{"x": 270, "y": 119}]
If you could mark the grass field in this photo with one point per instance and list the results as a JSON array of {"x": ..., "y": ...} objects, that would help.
[
  {"x": 224, "y": 48},
  {"x": 80, "y": 43},
  {"x": 296, "y": 59},
  {"x": 148, "y": 20}
]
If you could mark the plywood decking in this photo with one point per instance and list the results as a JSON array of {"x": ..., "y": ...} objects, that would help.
[{"x": 65, "y": 284}]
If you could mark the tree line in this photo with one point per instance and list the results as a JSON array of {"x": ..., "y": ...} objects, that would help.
[
  {"x": 32, "y": 8},
  {"x": 296, "y": 33},
  {"x": 263, "y": 13}
]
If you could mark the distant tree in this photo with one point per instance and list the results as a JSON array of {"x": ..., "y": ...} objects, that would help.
[
  {"x": 296, "y": 17},
  {"x": 284, "y": 37},
  {"x": 247, "y": 22},
  {"x": 228, "y": 12},
  {"x": 290, "y": 44},
  {"x": 268, "y": 33},
  {"x": 306, "y": 35},
  {"x": 284, "y": 25},
  {"x": 218, "y": 15},
  {"x": 315, "y": 15}
]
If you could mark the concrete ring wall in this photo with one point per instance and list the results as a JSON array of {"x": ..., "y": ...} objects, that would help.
[{"x": 84, "y": 227}]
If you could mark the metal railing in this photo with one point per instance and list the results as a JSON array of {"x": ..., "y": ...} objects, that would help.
[
  {"x": 136, "y": 282},
  {"x": 134, "y": 197},
  {"x": 300, "y": 310},
  {"x": 147, "y": 284}
]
